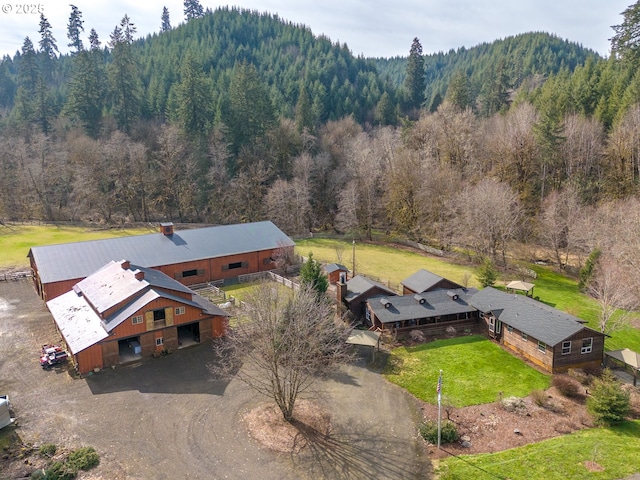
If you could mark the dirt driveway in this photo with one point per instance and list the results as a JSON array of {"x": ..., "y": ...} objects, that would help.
[{"x": 169, "y": 418}]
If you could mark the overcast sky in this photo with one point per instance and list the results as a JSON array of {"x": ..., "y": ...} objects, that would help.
[{"x": 373, "y": 28}]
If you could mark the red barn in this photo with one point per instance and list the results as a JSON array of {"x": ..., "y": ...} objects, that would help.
[
  {"x": 189, "y": 256},
  {"x": 122, "y": 312}
]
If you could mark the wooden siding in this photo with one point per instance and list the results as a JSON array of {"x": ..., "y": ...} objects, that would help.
[
  {"x": 432, "y": 326},
  {"x": 220, "y": 325},
  {"x": 89, "y": 358},
  {"x": 205, "y": 327},
  {"x": 148, "y": 344},
  {"x": 55, "y": 289},
  {"x": 170, "y": 338},
  {"x": 357, "y": 305},
  {"x": 110, "y": 352},
  {"x": 576, "y": 359}
]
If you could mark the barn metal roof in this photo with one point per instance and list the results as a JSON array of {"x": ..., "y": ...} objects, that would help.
[
  {"x": 78, "y": 260},
  {"x": 534, "y": 318},
  {"x": 425, "y": 305}
]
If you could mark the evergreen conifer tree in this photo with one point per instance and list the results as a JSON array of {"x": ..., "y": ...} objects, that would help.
[
  {"x": 415, "y": 81},
  {"x": 74, "y": 28},
  {"x": 165, "y": 26},
  {"x": 192, "y": 9}
]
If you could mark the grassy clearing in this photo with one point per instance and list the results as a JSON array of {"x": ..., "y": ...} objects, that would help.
[
  {"x": 386, "y": 263},
  {"x": 16, "y": 240},
  {"x": 563, "y": 458},
  {"x": 475, "y": 371}
]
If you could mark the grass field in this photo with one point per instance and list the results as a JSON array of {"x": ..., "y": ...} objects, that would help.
[
  {"x": 474, "y": 369},
  {"x": 16, "y": 240},
  {"x": 615, "y": 450}
]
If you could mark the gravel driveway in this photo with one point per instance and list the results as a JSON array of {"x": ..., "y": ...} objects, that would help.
[{"x": 169, "y": 418}]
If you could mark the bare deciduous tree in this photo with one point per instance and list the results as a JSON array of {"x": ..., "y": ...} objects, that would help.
[{"x": 285, "y": 341}]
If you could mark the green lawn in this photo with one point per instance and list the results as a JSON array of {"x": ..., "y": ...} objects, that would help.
[
  {"x": 386, "y": 263},
  {"x": 16, "y": 240},
  {"x": 615, "y": 449},
  {"x": 475, "y": 371}
]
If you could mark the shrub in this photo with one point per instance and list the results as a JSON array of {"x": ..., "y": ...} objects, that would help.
[
  {"x": 60, "y": 471},
  {"x": 84, "y": 458},
  {"x": 448, "y": 431},
  {"x": 609, "y": 403},
  {"x": 47, "y": 450},
  {"x": 514, "y": 405},
  {"x": 566, "y": 386},
  {"x": 592, "y": 370},
  {"x": 539, "y": 397},
  {"x": 38, "y": 475}
]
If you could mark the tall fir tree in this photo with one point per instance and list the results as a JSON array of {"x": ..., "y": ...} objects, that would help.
[
  {"x": 194, "y": 102},
  {"x": 122, "y": 73},
  {"x": 165, "y": 24},
  {"x": 48, "y": 48},
  {"x": 74, "y": 28},
  {"x": 415, "y": 81},
  {"x": 192, "y": 9},
  {"x": 86, "y": 97},
  {"x": 28, "y": 78},
  {"x": 625, "y": 43}
]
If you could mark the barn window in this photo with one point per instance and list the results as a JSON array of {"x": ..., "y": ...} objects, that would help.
[
  {"x": 587, "y": 345},
  {"x": 180, "y": 310},
  {"x": 235, "y": 265},
  {"x": 158, "y": 315},
  {"x": 566, "y": 348},
  {"x": 159, "y": 342},
  {"x": 542, "y": 346},
  {"x": 190, "y": 273},
  {"x": 136, "y": 320}
]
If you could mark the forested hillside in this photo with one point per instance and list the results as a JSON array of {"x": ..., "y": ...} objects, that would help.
[{"x": 237, "y": 116}]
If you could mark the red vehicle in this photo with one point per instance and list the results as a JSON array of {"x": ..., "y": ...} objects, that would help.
[{"x": 52, "y": 355}]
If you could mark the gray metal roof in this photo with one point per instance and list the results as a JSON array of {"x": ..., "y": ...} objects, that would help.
[
  {"x": 78, "y": 260},
  {"x": 421, "y": 280},
  {"x": 359, "y": 285},
  {"x": 534, "y": 318},
  {"x": 332, "y": 267},
  {"x": 409, "y": 307}
]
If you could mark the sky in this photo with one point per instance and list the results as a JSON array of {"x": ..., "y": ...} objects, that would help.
[{"x": 372, "y": 28}]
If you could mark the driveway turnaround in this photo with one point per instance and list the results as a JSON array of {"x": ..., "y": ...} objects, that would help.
[{"x": 169, "y": 417}]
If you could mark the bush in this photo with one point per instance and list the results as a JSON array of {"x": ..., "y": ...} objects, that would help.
[
  {"x": 566, "y": 386},
  {"x": 539, "y": 397},
  {"x": 448, "y": 433},
  {"x": 608, "y": 403},
  {"x": 48, "y": 450},
  {"x": 84, "y": 458},
  {"x": 60, "y": 471},
  {"x": 592, "y": 370},
  {"x": 514, "y": 405}
]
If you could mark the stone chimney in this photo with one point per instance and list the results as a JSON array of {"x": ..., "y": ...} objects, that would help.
[{"x": 166, "y": 228}]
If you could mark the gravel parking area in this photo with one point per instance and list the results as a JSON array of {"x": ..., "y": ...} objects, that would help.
[{"x": 169, "y": 418}]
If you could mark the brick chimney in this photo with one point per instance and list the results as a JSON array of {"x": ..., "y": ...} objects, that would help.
[
  {"x": 125, "y": 264},
  {"x": 341, "y": 289},
  {"x": 139, "y": 275},
  {"x": 166, "y": 228}
]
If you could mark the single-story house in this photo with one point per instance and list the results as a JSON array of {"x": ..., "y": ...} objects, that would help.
[
  {"x": 425, "y": 281},
  {"x": 433, "y": 311},
  {"x": 190, "y": 256},
  {"x": 334, "y": 270},
  {"x": 122, "y": 312},
  {"x": 550, "y": 338},
  {"x": 356, "y": 291}
]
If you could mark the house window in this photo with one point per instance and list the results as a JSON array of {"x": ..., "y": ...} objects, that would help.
[
  {"x": 136, "y": 320},
  {"x": 481, "y": 314},
  {"x": 159, "y": 342},
  {"x": 179, "y": 310},
  {"x": 492, "y": 324},
  {"x": 587, "y": 345},
  {"x": 367, "y": 314},
  {"x": 524, "y": 336},
  {"x": 190, "y": 273},
  {"x": 566, "y": 348},
  {"x": 509, "y": 329},
  {"x": 542, "y": 346}
]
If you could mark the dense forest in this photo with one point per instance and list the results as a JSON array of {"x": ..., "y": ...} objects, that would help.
[{"x": 238, "y": 116}]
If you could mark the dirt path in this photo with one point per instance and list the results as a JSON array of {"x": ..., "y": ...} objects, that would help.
[{"x": 169, "y": 418}]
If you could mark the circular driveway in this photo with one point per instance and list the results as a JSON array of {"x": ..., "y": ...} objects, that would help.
[{"x": 169, "y": 417}]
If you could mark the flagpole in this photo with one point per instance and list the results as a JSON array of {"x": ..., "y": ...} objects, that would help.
[{"x": 439, "y": 406}]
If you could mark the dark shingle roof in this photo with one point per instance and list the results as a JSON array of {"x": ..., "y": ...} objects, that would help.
[
  {"x": 529, "y": 316},
  {"x": 332, "y": 267},
  {"x": 408, "y": 307},
  {"x": 422, "y": 281},
  {"x": 360, "y": 285},
  {"x": 78, "y": 260}
]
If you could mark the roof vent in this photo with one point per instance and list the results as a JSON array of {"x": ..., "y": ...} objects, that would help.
[
  {"x": 166, "y": 228},
  {"x": 385, "y": 302},
  {"x": 453, "y": 295},
  {"x": 419, "y": 299}
]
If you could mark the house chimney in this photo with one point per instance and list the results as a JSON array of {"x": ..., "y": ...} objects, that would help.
[
  {"x": 341, "y": 289},
  {"x": 166, "y": 228},
  {"x": 139, "y": 275},
  {"x": 125, "y": 264}
]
